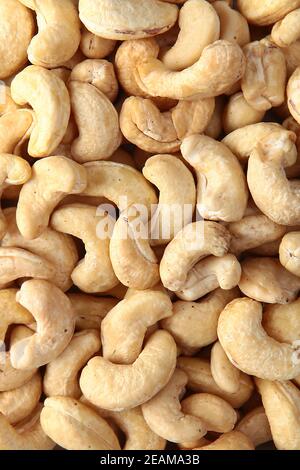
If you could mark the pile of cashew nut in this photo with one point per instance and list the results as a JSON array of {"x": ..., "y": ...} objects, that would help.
[{"x": 183, "y": 113}]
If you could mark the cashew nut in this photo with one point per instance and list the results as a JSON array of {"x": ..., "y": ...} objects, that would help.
[
  {"x": 265, "y": 13},
  {"x": 15, "y": 129},
  {"x": 239, "y": 113},
  {"x": 225, "y": 374},
  {"x": 293, "y": 94},
  {"x": 286, "y": 31},
  {"x": 256, "y": 426},
  {"x": 234, "y": 26},
  {"x": 95, "y": 47},
  {"x": 288, "y": 252},
  {"x": 233, "y": 440},
  {"x": 282, "y": 322}
]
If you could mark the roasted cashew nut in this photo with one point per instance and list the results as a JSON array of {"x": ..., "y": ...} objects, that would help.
[
  {"x": 94, "y": 273},
  {"x": 74, "y": 426},
  {"x": 255, "y": 352},
  {"x": 59, "y": 32},
  {"x": 164, "y": 416},
  {"x": 61, "y": 376},
  {"x": 119, "y": 387},
  {"x": 124, "y": 327},
  {"x": 52, "y": 179},
  {"x": 190, "y": 245},
  {"x": 48, "y": 96},
  {"x": 127, "y": 19},
  {"x": 221, "y": 196},
  {"x": 55, "y": 324}
]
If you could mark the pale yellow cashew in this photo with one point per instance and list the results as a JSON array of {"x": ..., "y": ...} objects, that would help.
[
  {"x": 201, "y": 380},
  {"x": 253, "y": 231},
  {"x": 52, "y": 179},
  {"x": 99, "y": 136},
  {"x": 291, "y": 54},
  {"x": 94, "y": 273},
  {"x": 225, "y": 374},
  {"x": 216, "y": 414},
  {"x": 89, "y": 311},
  {"x": 272, "y": 192},
  {"x": 61, "y": 376},
  {"x": 282, "y": 322},
  {"x": 133, "y": 261},
  {"x": 199, "y": 26},
  {"x": 233, "y": 26},
  {"x": 95, "y": 47},
  {"x": 248, "y": 346},
  {"x": 59, "y": 32},
  {"x": 11, "y": 313},
  {"x": 287, "y": 31},
  {"x": 19, "y": 403},
  {"x": 209, "y": 274},
  {"x": 48, "y": 96},
  {"x": 264, "y": 81},
  {"x": 221, "y": 196},
  {"x": 193, "y": 325},
  {"x": 15, "y": 129},
  {"x": 194, "y": 242},
  {"x": 164, "y": 416},
  {"x": 233, "y": 440},
  {"x": 215, "y": 125},
  {"x": 266, "y": 12},
  {"x": 127, "y": 19},
  {"x": 265, "y": 279},
  {"x": 289, "y": 252},
  {"x": 74, "y": 426},
  {"x": 11, "y": 378},
  {"x": 27, "y": 435},
  {"x": 124, "y": 327},
  {"x": 144, "y": 125},
  {"x": 177, "y": 196},
  {"x": 256, "y": 426},
  {"x": 119, "y": 183},
  {"x": 293, "y": 95},
  {"x": 239, "y": 113},
  {"x": 221, "y": 64},
  {"x": 17, "y": 28},
  {"x": 281, "y": 402},
  {"x": 7, "y": 104},
  {"x": 99, "y": 73},
  {"x": 58, "y": 249},
  {"x": 119, "y": 387},
  {"x": 55, "y": 325}
]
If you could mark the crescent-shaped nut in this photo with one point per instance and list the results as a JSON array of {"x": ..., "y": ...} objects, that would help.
[
  {"x": 62, "y": 374},
  {"x": 54, "y": 315},
  {"x": 194, "y": 242},
  {"x": 281, "y": 402},
  {"x": 201, "y": 380},
  {"x": 282, "y": 322},
  {"x": 225, "y": 374},
  {"x": 119, "y": 387},
  {"x": 94, "y": 273},
  {"x": 48, "y": 96},
  {"x": 133, "y": 260},
  {"x": 124, "y": 327},
  {"x": 58, "y": 249},
  {"x": 119, "y": 183},
  {"x": 221, "y": 64},
  {"x": 193, "y": 325},
  {"x": 248, "y": 346},
  {"x": 233, "y": 25},
  {"x": 164, "y": 416},
  {"x": 256, "y": 426},
  {"x": 215, "y": 413},
  {"x": 199, "y": 26},
  {"x": 233, "y": 440},
  {"x": 16, "y": 30},
  {"x": 15, "y": 129},
  {"x": 75, "y": 426},
  {"x": 265, "y": 279},
  {"x": 99, "y": 136},
  {"x": 19, "y": 403},
  {"x": 52, "y": 179},
  {"x": 177, "y": 196},
  {"x": 27, "y": 435},
  {"x": 239, "y": 113},
  {"x": 265, "y": 13},
  {"x": 215, "y": 202},
  {"x": 127, "y": 19},
  {"x": 11, "y": 312},
  {"x": 286, "y": 31},
  {"x": 58, "y": 37}
]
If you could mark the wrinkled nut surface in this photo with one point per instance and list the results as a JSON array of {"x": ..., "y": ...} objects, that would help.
[
  {"x": 119, "y": 387},
  {"x": 127, "y": 19},
  {"x": 255, "y": 352},
  {"x": 74, "y": 426}
]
